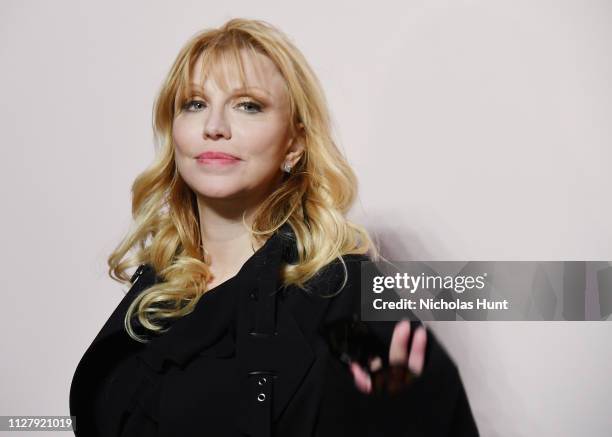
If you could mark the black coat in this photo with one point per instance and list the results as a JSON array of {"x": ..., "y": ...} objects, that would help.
[{"x": 287, "y": 383}]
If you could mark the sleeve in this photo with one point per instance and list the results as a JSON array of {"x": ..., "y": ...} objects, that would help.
[{"x": 435, "y": 403}]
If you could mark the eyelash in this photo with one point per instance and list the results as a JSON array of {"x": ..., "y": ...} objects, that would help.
[{"x": 257, "y": 106}]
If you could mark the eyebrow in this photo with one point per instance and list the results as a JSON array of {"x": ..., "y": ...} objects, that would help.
[{"x": 198, "y": 88}]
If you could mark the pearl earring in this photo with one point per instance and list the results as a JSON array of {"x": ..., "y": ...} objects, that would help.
[{"x": 287, "y": 167}]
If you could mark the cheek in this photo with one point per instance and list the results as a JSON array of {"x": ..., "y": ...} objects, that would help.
[
  {"x": 184, "y": 134},
  {"x": 264, "y": 143}
]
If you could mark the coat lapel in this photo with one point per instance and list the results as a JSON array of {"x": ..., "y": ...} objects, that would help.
[{"x": 274, "y": 329}]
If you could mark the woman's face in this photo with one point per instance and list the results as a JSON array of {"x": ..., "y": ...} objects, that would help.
[{"x": 232, "y": 145}]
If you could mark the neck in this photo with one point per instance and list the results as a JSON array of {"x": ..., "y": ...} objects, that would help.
[{"x": 225, "y": 238}]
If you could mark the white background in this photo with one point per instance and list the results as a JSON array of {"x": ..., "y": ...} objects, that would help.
[{"x": 480, "y": 130}]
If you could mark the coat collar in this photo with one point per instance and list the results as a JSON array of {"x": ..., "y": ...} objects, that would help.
[
  {"x": 208, "y": 322},
  {"x": 145, "y": 276}
]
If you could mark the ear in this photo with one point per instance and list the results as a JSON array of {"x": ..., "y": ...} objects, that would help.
[{"x": 295, "y": 148}]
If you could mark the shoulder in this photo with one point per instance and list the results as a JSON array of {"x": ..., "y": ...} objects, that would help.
[
  {"x": 112, "y": 336},
  {"x": 143, "y": 277},
  {"x": 340, "y": 282}
]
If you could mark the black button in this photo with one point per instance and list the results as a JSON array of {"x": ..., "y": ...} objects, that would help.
[{"x": 252, "y": 295}]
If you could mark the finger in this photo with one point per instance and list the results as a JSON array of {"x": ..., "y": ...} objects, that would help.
[
  {"x": 398, "y": 351},
  {"x": 417, "y": 353},
  {"x": 375, "y": 364},
  {"x": 362, "y": 379}
]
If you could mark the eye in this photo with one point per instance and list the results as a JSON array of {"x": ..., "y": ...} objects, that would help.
[
  {"x": 193, "y": 105},
  {"x": 256, "y": 107},
  {"x": 197, "y": 105}
]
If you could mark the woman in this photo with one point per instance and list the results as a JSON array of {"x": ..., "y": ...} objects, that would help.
[{"x": 245, "y": 261}]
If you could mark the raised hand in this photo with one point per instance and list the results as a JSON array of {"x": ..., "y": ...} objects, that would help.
[{"x": 398, "y": 355}]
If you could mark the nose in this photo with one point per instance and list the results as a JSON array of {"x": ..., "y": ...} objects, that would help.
[{"x": 216, "y": 126}]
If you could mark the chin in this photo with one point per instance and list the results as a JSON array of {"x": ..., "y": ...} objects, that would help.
[{"x": 212, "y": 192}]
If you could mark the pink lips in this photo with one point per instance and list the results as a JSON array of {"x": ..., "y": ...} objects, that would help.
[{"x": 218, "y": 158}]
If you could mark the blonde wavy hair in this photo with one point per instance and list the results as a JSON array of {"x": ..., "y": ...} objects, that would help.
[{"x": 314, "y": 199}]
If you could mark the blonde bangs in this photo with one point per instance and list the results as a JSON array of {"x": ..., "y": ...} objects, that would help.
[{"x": 221, "y": 61}]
